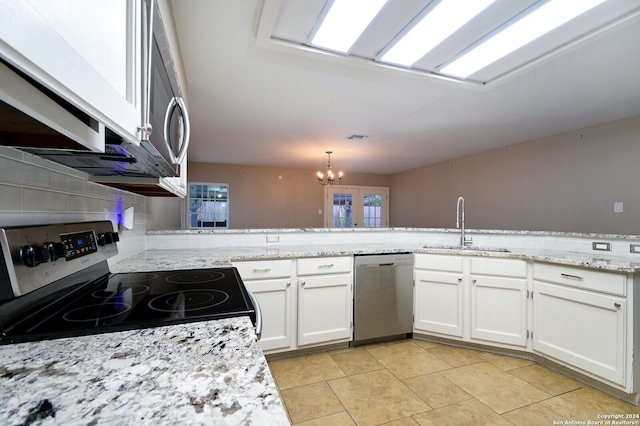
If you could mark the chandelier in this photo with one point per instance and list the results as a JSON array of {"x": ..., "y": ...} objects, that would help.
[{"x": 330, "y": 176}]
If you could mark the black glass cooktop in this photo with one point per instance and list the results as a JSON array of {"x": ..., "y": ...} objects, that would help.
[{"x": 136, "y": 300}]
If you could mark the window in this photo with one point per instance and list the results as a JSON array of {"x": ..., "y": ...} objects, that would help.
[
  {"x": 208, "y": 205},
  {"x": 356, "y": 207}
]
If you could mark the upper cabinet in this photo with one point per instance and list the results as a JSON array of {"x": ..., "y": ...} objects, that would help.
[{"x": 86, "y": 52}]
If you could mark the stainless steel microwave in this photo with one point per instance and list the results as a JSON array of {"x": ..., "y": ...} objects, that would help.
[{"x": 168, "y": 115}]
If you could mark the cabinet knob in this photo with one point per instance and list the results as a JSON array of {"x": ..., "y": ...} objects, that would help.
[
  {"x": 303, "y": 283},
  {"x": 459, "y": 280},
  {"x": 474, "y": 280},
  {"x": 617, "y": 305},
  {"x": 288, "y": 284}
]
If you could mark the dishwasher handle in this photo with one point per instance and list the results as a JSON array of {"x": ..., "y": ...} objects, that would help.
[{"x": 380, "y": 265}]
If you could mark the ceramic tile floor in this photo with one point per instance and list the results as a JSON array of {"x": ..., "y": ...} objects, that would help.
[{"x": 411, "y": 382}]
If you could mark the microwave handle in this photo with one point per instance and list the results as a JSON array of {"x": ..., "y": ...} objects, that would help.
[{"x": 177, "y": 102}]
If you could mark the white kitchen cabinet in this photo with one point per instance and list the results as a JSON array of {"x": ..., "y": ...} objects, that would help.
[
  {"x": 270, "y": 282},
  {"x": 578, "y": 326},
  {"x": 439, "y": 295},
  {"x": 471, "y": 298},
  {"x": 498, "y": 300},
  {"x": 276, "y": 304},
  {"x": 325, "y": 300},
  {"x": 88, "y": 52},
  {"x": 439, "y": 303}
]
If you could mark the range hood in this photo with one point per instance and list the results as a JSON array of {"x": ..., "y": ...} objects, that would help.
[{"x": 38, "y": 121}]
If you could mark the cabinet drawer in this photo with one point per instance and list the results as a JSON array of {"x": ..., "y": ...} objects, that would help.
[
  {"x": 499, "y": 267},
  {"x": 264, "y": 269},
  {"x": 438, "y": 262},
  {"x": 325, "y": 265},
  {"x": 582, "y": 278}
]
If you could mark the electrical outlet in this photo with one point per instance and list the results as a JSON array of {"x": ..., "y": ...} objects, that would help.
[
  {"x": 273, "y": 238},
  {"x": 601, "y": 246},
  {"x": 618, "y": 207},
  {"x": 634, "y": 248}
]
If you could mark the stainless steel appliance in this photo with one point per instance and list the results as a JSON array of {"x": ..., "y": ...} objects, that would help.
[
  {"x": 55, "y": 282},
  {"x": 383, "y": 297},
  {"x": 39, "y": 121}
]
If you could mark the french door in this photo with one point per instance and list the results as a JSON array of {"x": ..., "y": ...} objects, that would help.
[{"x": 356, "y": 207}]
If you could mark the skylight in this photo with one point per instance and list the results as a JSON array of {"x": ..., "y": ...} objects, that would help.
[
  {"x": 345, "y": 22},
  {"x": 465, "y": 40},
  {"x": 537, "y": 23},
  {"x": 434, "y": 27}
]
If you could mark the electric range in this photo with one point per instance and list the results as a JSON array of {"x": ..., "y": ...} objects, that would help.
[{"x": 55, "y": 282}]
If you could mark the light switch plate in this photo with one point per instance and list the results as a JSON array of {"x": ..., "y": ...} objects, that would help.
[
  {"x": 634, "y": 248},
  {"x": 618, "y": 207},
  {"x": 273, "y": 238}
]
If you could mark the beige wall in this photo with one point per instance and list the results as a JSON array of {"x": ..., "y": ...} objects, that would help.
[
  {"x": 566, "y": 182},
  {"x": 259, "y": 197}
]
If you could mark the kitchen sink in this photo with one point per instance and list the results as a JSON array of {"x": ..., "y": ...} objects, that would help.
[{"x": 468, "y": 248}]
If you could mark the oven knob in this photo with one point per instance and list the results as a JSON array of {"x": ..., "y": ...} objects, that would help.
[
  {"x": 53, "y": 251},
  {"x": 31, "y": 256},
  {"x": 49, "y": 252},
  {"x": 60, "y": 250},
  {"x": 101, "y": 239}
]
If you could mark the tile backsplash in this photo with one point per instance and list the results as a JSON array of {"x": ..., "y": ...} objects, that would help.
[{"x": 36, "y": 191}]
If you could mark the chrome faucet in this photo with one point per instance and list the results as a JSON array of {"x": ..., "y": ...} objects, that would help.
[{"x": 464, "y": 241}]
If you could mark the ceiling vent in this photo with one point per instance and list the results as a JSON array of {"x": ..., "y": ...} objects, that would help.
[{"x": 357, "y": 137}]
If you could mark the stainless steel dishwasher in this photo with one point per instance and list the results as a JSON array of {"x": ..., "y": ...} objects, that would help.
[{"x": 383, "y": 297}]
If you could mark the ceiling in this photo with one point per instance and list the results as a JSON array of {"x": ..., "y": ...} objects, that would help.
[{"x": 258, "y": 96}]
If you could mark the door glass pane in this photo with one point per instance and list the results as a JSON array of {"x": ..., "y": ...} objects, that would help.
[
  {"x": 208, "y": 205},
  {"x": 342, "y": 214},
  {"x": 372, "y": 214}
]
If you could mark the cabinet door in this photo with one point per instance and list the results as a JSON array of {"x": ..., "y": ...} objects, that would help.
[
  {"x": 583, "y": 328},
  {"x": 274, "y": 298},
  {"x": 324, "y": 309},
  {"x": 439, "y": 303},
  {"x": 498, "y": 309},
  {"x": 88, "y": 52}
]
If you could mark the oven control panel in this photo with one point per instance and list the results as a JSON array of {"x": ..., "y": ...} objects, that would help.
[
  {"x": 79, "y": 244},
  {"x": 39, "y": 255}
]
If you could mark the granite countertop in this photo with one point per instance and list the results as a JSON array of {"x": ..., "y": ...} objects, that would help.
[
  {"x": 629, "y": 237},
  {"x": 210, "y": 372},
  {"x": 151, "y": 260}
]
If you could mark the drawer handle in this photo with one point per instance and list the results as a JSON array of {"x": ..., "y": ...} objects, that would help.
[
  {"x": 328, "y": 265},
  {"x": 572, "y": 277},
  {"x": 262, "y": 270},
  {"x": 430, "y": 281},
  {"x": 617, "y": 305}
]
